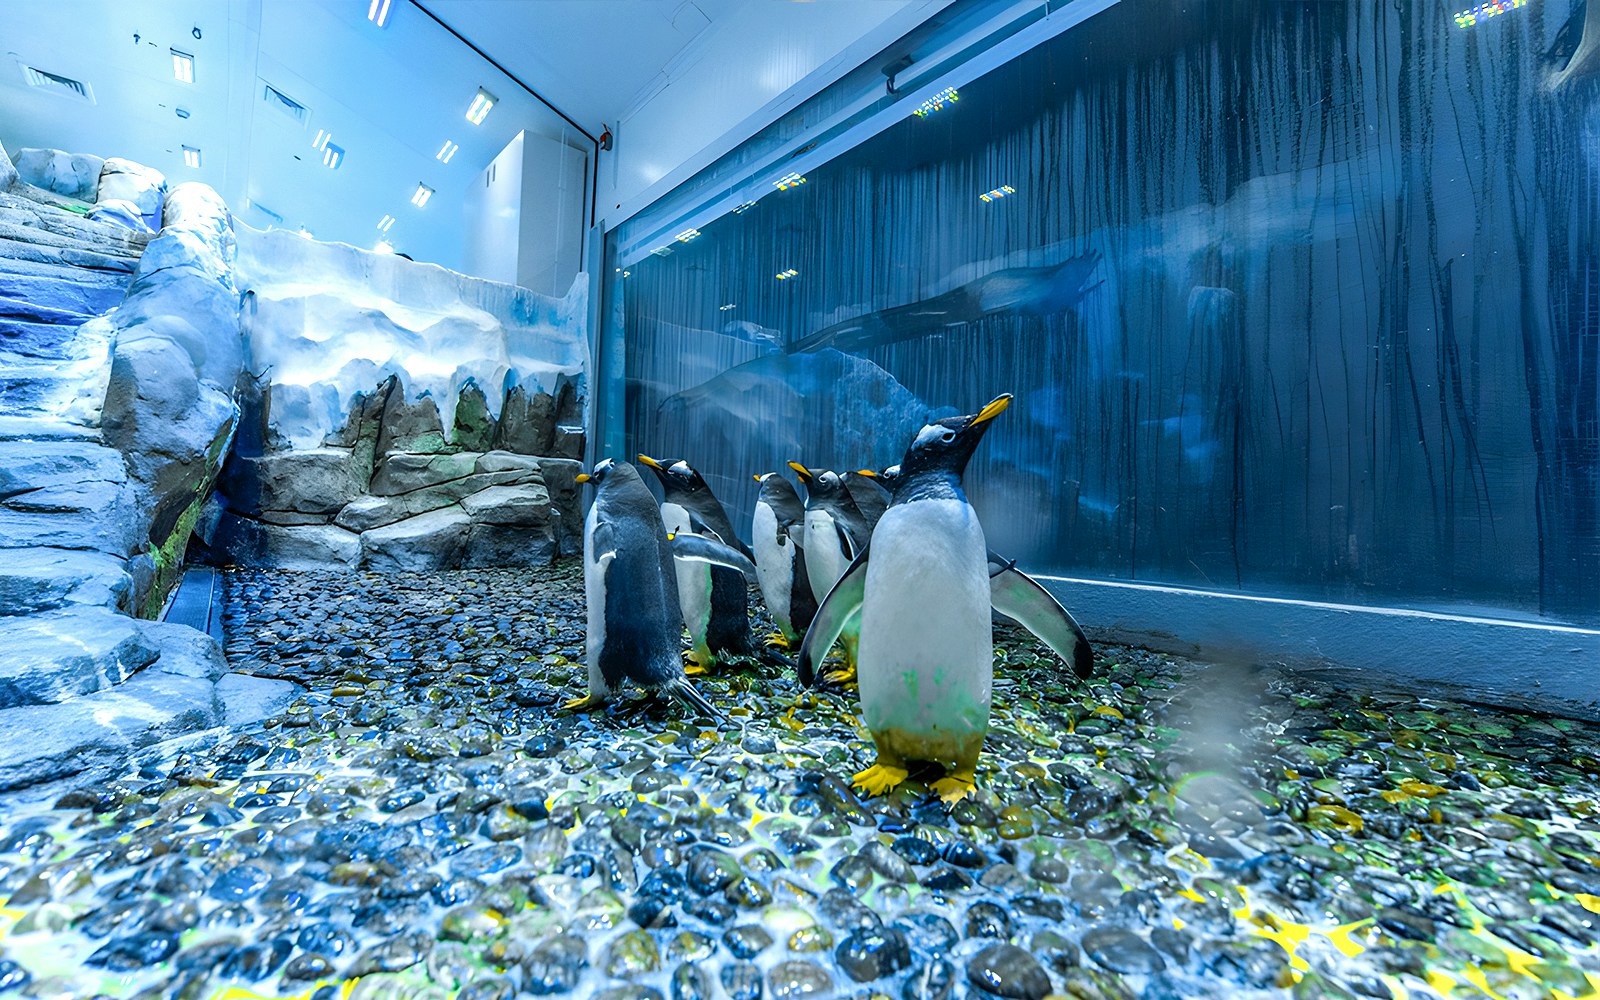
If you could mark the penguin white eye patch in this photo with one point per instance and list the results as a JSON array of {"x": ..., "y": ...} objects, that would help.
[{"x": 933, "y": 432}]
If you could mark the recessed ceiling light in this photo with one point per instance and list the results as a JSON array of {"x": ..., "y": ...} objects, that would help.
[
  {"x": 446, "y": 151},
  {"x": 998, "y": 193},
  {"x": 378, "y": 12},
  {"x": 191, "y": 157},
  {"x": 420, "y": 197},
  {"x": 480, "y": 107},
  {"x": 384, "y": 223},
  {"x": 332, "y": 156},
  {"x": 787, "y": 274},
  {"x": 687, "y": 235},
  {"x": 937, "y": 102},
  {"x": 787, "y": 181},
  {"x": 323, "y": 135},
  {"x": 182, "y": 67}
]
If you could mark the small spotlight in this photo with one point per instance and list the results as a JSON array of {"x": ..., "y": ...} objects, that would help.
[
  {"x": 937, "y": 102},
  {"x": 423, "y": 193},
  {"x": 687, "y": 235},
  {"x": 787, "y": 274},
  {"x": 998, "y": 193},
  {"x": 332, "y": 156},
  {"x": 480, "y": 107},
  {"x": 378, "y": 12},
  {"x": 191, "y": 157},
  {"x": 787, "y": 181},
  {"x": 384, "y": 223},
  {"x": 446, "y": 151},
  {"x": 182, "y": 67}
]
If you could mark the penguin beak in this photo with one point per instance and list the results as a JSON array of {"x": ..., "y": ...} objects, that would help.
[
  {"x": 801, "y": 471},
  {"x": 867, "y": 472},
  {"x": 646, "y": 459},
  {"x": 757, "y": 477},
  {"x": 583, "y": 477},
  {"x": 994, "y": 409}
]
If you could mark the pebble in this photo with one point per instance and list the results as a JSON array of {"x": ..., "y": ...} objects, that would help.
[
  {"x": 1122, "y": 951},
  {"x": 799, "y": 979},
  {"x": 1004, "y": 970},
  {"x": 872, "y": 954}
]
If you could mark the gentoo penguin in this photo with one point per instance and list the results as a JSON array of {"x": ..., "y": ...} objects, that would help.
[
  {"x": 715, "y": 600},
  {"x": 777, "y": 534},
  {"x": 923, "y": 591},
  {"x": 870, "y": 496},
  {"x": 633, "y": 600},
  {"x": 835, "y": 533}
]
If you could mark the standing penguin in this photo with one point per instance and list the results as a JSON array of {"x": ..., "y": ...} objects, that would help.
[
  {"x": 871, "y": 497},
  {"x": 777, "y": 534},
  {"x": 835, "y": 532},
  {"x": 715, "y": 599},
  {"x": 923, "y": 591},
  {"x": 633, "y": 601}
]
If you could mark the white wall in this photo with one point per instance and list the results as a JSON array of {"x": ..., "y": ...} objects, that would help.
[
  {"x": 493, "y": 216},
  {"x": 524, "y": 215},
  {"x": 737, "y": 77}
]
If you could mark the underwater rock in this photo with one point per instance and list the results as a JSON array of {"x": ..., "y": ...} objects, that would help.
[{"x": 1004, "y": 970}]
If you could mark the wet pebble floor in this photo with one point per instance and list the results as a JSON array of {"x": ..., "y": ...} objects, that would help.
[{"x": 425, "y": 823}]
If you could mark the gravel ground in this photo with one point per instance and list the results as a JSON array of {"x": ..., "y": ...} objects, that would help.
[{"x": 423, "y": 824}]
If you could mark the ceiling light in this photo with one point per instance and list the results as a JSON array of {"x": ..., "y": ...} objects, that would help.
[
  {"x": 662, "y": 251},
  {"x": 687, "y": 235},
  {"x": 937, "y": 102},
  {"x": 182, "y": 67},
  {"x": 727, "y": 307},
  {"x": 787, "y": 181},
  {"x": 191, "y": 157},
  {"x": 383, "y": 246},
  {"x": 786, "y": 275},
  {"x": 741, "y": 209},
  {"x": 332, "y": 156},
  {"x": 384, "y": 223},
  {"x": 446, "y": 151},
  {"x": 378, "y": 12},
  {"x": 323, "y": 135},
  {"x": 480, "y": 107},
  {"x": 997, "y": 193},
  {"x": 421, "y": 196}
]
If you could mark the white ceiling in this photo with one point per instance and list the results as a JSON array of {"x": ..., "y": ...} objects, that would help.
[{"x": 390, "y": 96}]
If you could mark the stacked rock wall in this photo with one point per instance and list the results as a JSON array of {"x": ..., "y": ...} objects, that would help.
[{"x": 400, "y": 416}]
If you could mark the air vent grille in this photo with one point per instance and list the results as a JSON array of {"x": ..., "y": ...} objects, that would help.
[
  {"x": 55, "y": 83},
  {"x": 282, "y": 103}
]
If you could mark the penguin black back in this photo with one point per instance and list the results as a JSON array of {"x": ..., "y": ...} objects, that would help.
[{"x": 640, "y": 641}]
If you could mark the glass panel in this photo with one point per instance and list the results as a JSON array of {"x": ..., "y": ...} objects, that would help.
[{"x": 1297, "y": 298}]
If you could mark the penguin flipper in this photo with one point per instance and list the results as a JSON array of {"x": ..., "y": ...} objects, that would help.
[
  {"x": 686, "y": 693},
  {"x": 842, "y": 602},
  {"x": 702, "y": 548},
  {"x": 1018, "y": 595}
]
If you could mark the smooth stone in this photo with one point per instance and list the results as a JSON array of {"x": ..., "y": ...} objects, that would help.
[
  {"x": 747, "y": 940},
  {"x": 741, "y": 981},
  {"x": 690, "y": 982},
  {"x": 555, "y": 966},
  {"x": 240, "y": 883},
  {"x": 1122, "y": 951},
  {"x": 934, "y": 981},
  {"x": 985, "y": 919},
  {"x": 873, "y": 954},
  {"x": 136, "y": 952},
  {"x": 1004, "y": 970},
  {"x": 799, "y": 979}
]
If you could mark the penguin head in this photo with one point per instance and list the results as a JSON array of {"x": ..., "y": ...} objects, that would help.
[
  {"x": 947, "y": 445},
  {"x": 820, "y": 483},
  {"x": 601, "y": 471},
  {"x": 677, "y": 477}
]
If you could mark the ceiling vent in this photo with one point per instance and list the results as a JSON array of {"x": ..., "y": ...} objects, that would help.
[
  {"x": 283, "y": 104},
  {"x": 54, "y": 83}
]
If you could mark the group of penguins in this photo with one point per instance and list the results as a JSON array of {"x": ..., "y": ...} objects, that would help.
[{"x": 893, "y": 566}]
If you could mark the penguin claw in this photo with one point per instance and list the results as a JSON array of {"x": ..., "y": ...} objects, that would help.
[
  {"x": 878, "y": 779},
  {"x": 954, "y": 787},
  {"x": 843, "y": 677},
  {"x": 588, "y": 703},
  {"x": 780, "y": 641}
]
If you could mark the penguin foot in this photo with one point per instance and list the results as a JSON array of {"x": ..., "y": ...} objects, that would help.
[
  {"x": 878, "y": 779},
  {"x": 955, "y": 786},
  {"x": 780, "y": 641},
  {"x": 588, "y": 703},
  {"x": 845, "y": 675},
  {"x": 694, "y": 665}
]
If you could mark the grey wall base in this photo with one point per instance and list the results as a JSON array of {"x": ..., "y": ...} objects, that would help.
[{"x": 1517, "y": 664}]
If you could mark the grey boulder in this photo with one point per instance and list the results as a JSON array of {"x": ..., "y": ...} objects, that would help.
[{"x": 54, "y": 655}]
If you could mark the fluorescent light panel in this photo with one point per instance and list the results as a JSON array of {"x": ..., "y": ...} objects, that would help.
[
  {"x": 378, "y": 12},
  {"x": 997, "y": 193},
  {"x": 332, "y": 156},
  {"x": 420, "y": 197},
  {"x": 727, "y": 307},
  {"x": 785, "y": 275},
  {"x": 383, "y": 246},
  {"x": 787, "y": 181},
  {"x": 182, "y": 67},
  {"x": 687, "y": 235},
  {"x": 446, "y": 151},
  {"x": 937, "y": 102},
  {"x": 384, "y": 223},
  {"x": 191, "y": 157},
  {"x": 323, "y": 135},
  {"x": 479, "y": 110}
]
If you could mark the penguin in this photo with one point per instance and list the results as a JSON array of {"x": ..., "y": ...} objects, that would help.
[
  {"x": 835, "y": 532},
  {"x": 870, "y": 496},
  {"x": 777, "y": 534},
  {"x": 715, "y": 599},
  {"x": 923, "y": 590},
  {"x": 632, "y": 597}
]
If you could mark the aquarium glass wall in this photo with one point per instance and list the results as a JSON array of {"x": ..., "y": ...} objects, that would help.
[{"x": 1296, "y": 298}]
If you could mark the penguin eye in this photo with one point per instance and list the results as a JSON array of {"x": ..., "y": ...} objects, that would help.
[{"x": 947, "y": 436}]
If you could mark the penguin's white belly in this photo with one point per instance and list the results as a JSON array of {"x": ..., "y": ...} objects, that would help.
[
  {"x": 694, "y": 578},
  {"x": 926, "y": 659},
  {"x": 594, "y": 589},
  {"x": 774, "y": 563},
  {"x": 825, "y": 561}
]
